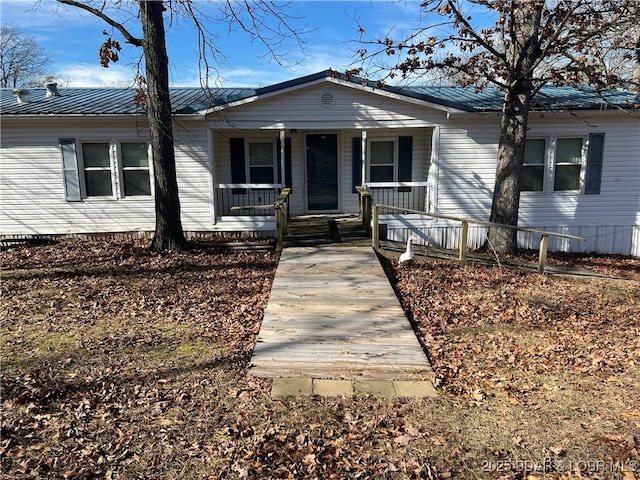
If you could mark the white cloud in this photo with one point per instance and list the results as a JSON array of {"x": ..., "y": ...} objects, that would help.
[
  {"x": 93, "y": 75},
  {"x": 252, "y": 77},
  {"x": 321, "y": 57},
  {"x": 246, "y": 76},
  {"x": 22, "y": 14},
  {"x": 51, "y": 15},
  {"x": 75, "y": 36}
]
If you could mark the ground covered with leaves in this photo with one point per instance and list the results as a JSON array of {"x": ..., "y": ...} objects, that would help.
[{"x": 121, "y": 363}]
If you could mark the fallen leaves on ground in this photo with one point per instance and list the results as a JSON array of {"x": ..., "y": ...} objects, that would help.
[
  {"x": 495, "y": 331},
  {"x": 120, "y": 363},
  {"x": 528, "y": 339}
]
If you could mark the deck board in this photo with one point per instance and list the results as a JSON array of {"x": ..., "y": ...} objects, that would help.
[{"x": 333, "y": 314}]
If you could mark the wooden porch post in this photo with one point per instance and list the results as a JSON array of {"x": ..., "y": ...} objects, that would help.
[
  {"x": 375, "y": 232},
  {"x": 464, "y": 231},
  {"x": 542, "y": 256},
  {"x": 364, "y": 207}
]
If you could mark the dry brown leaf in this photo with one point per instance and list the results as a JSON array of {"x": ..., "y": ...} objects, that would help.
[
  {"x": 402, "y": 440},
  {"x": 557, "y": 450},
  {"x": 478, "y": 395}
]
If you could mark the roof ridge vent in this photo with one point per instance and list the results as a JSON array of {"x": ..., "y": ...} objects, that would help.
[
  {"x": 52, "y": 89},
  {"x": 21, "y": 95}
]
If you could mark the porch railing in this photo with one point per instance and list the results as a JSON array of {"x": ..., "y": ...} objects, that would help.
[
  {"x": 279, "y": 208},
  {"x": 412, "y": 195},
  {"x": 230, "y": 196}
]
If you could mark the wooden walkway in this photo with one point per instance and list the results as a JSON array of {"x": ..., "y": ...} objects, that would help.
[{"x": 333, "y": 314}]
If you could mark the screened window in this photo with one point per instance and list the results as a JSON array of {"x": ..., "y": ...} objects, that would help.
[
  {"x": 105, "y": 169},
  {"x": 97, "y": 169},
  {"x": 261, "y": 162},
  {"x": 568, "y": 164},
  {"x": 533, "y": 169},
  {"x": 135, "y": 168},
  {"x": 382, "y": 163}
]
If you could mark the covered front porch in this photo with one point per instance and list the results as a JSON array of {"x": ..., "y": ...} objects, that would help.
[{"x": 320, "y": 169}]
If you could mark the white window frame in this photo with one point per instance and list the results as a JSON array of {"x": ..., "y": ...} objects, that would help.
[
  {"x": 83, "y": 169},
  {"x": 370, "y": 142},
  {"x": 122, "y": 169},
  {"x": 116, "y": 169},
  {"x": 274, "y": 157},
  {"x": 545, "y": 166},
  {"x": 551, "y": 143},
  {"x": 583, "y": 164}
]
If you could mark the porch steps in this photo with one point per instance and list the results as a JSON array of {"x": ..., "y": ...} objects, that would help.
[
  {"x": 333, "y": 314},
  {"x": 314, "y": 230}
]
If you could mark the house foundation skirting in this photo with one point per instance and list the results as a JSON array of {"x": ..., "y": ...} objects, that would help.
[{"x": 8, "y": 240}]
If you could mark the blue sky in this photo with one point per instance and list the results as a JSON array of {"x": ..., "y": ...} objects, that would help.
[{"x": 74, "y": 38}]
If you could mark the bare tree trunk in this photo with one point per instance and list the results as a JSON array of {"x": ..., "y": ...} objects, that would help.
[
  {"x": 168, "y": 233},
  {"x": 506, "y": 194},
  {"x": 525, "y": 37},
  {"x": 635, "y": 76}
]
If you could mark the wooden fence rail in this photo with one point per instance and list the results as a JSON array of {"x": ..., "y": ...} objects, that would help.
[{"x": 374, "y": 221}]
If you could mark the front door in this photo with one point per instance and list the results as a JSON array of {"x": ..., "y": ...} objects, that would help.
[{"x": 322, "y": 172}]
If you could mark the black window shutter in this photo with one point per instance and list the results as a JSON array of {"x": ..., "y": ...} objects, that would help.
[
  {"x": 288, "y": 177},
  {"x": 238, "y": 171},
  {"x": 595, "y": 153},
  {"x": 356, "y": 163},
  {"x": 70, "y": 173},
  {"x": 405, "y": 161}
]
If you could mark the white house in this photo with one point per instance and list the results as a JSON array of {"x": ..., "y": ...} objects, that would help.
[{"x": 77, "y": 160}]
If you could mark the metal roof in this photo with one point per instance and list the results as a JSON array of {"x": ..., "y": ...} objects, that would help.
[
  {"x": 111, "y": 101},
  {"x": 547, "y": 99},
  {"x": 120, "y": 101}
]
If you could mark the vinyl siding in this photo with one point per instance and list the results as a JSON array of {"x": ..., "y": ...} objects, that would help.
[
  {"x": 461, "y": 172},
  {"x": 619, "y": 200},
  {"x": 466, "y": 168},
  {"x": 222, "y": 156},
  {"x": 609, "y": 221},
  {"x": 32, "y": 189},
  {"x": 421, "y": 158},
  {"x": 464, "y": 174},
  {"x": 351, "y": 108}
]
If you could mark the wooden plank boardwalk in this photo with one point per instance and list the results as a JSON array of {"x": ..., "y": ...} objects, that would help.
[{"x": 333, "y": 314}]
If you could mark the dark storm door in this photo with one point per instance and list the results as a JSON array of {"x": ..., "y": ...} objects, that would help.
[{"x": 322, "y": 172}]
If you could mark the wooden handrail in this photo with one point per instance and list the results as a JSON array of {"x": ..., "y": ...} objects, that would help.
[
  {"x": 281, "y": 206},
  {"x": 364, "y": 205},
  {"x": 251, "y": 186},
  {"x": 462, "y": 246},
  {"x": 282, "y": 218},
  {"x": 395, "y": 184},
  {"x": 252, "y": 207}
]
